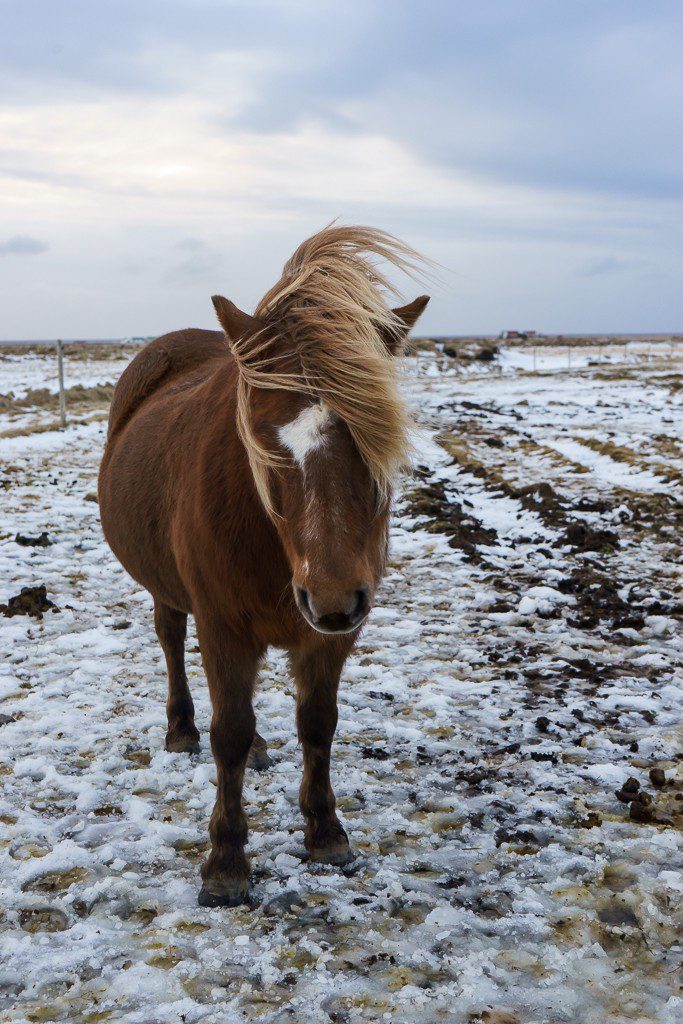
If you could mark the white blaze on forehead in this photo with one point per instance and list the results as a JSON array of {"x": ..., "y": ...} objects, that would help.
[{"x": 307, "y": 432}]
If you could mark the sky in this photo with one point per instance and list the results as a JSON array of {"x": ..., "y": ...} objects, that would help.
[{"x": 155, "y": 152}]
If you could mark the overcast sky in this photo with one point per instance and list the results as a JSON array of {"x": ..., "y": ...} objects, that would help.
[{"x": 154, "y": 152}]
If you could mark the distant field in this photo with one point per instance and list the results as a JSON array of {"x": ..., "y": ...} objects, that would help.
[
  {"x": 525, "y": 661},
  {"x": 29, "y": 383}
]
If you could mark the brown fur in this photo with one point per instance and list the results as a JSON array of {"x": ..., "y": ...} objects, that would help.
[{"x": 261, "y": 563}]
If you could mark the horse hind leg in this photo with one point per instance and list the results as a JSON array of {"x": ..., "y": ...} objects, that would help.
[
  {"x": 171, "y": 628},
  {"x": 259, "y": 758}
]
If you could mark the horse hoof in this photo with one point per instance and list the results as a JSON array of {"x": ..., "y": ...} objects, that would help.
[
  {"x": 185, "y": 744},
  {"x": 258, "y": 758},
  {"x": 224, "y": 894},
  {"x": 338, "y": 854}
]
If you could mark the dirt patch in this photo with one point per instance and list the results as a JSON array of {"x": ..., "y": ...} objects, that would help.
[
  {"x": 30, "y": 601},
  {"x": 620, "y": 453},
  {"x": 41, "y": 541},
  {"x": 81, "y": 350},
  {"x": 43, "y": 398},
  {"x": 598, "y": 600},
  {"x": 663, "y": 807},
  {"x": 542, "y": 498},
  {"x": 583, "y": 537},
  {"x": 468, "y": 350},
  {"x": 660, "y": 514},
  {"x": 447, "y": 516}
]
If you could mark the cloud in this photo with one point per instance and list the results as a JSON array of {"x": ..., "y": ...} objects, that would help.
[
  {"x": 23, "y": 245},
  {"x": 609, "y": 265},
  {"x": 577, "y": 96},
  {"x": 201, "y": 261},
  {"x": 194, "y": 144}
]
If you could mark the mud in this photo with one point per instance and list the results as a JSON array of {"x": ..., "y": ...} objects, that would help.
[
  {"x": 664, "y": 807},
  {"x": 30, "y": 601},
  {"x": 583, "y": 537},
  {"x": 447, "y": 516}
]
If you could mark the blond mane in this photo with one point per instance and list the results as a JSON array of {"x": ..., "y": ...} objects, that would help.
[{"x": 330, "y": 304}]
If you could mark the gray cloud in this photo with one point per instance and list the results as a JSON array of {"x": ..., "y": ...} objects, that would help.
[
  {"x": 582, "y": 96},
  {"x": 538, "y": 153},
  {"x": 23, "y": 245}
]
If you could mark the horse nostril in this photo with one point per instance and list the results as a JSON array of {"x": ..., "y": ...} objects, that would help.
[
  {"x": 304, "y": 599},
  {"x": 362, "y": 603}
]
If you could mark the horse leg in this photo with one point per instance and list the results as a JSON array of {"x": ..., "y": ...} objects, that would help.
[
  {"x": 231, "y": 674},
  {"x": 317, "y": 680},
  {"x": 171, "y": 628}
]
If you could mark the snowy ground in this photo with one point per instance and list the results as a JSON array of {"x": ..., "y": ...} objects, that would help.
[
  {"x": 525, "y": 660},
  {"x": 29, "y": 371}
]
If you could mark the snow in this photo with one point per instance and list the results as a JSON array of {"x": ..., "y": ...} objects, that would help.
[
  {"x": 481, "y": 889},
  {"x": 31, "y": 371},
  {"x": 541, "y": 600}
]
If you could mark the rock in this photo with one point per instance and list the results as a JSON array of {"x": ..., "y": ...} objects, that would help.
[
  {"x": 618, "y": 915},
  {"x": 30, "y": 601},
  {"x": 43, "y": 919},
  {"x": 6, "y": 719},
  {"x": 657, "y": 777},
  {"x": 377, "y": 753},
  {"x": 41, "y": 541},
  {"x": 631, "y": 791},
  {"x": 640, "y": 811},
  {"x": 283, "y": 903}
]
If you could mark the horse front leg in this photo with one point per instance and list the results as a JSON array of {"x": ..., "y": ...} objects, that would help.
[
  {"x": 317, "y": 681},
  {"x": 231, "y": 673}
]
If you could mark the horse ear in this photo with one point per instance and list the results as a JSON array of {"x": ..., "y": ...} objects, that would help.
[
  {"x": 236, "y": 324},
  {"x": 408, "y": 315}
]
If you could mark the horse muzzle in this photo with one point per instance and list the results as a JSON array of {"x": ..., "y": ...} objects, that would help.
[{"x": 339, "y": 614}]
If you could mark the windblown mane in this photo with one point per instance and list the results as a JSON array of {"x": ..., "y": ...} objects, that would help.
[{"x": 330, "y": 305}]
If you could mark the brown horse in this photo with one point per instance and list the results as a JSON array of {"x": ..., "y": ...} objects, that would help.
[{"x": 247, "y": 481}]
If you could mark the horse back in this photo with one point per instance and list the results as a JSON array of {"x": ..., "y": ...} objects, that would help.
[{"x": 168, "y": 357}]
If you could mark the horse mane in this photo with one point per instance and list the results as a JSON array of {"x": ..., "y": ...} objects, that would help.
[{"x": 330, "y": 305}]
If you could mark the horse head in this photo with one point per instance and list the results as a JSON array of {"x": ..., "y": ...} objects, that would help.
[{"x": 306, "y": 425}]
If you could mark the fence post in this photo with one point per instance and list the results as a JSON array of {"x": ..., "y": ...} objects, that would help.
[{"x": 62, "y": 398}]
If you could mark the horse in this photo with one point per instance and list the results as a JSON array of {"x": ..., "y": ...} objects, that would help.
[{"x": 247, "y": 480}]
